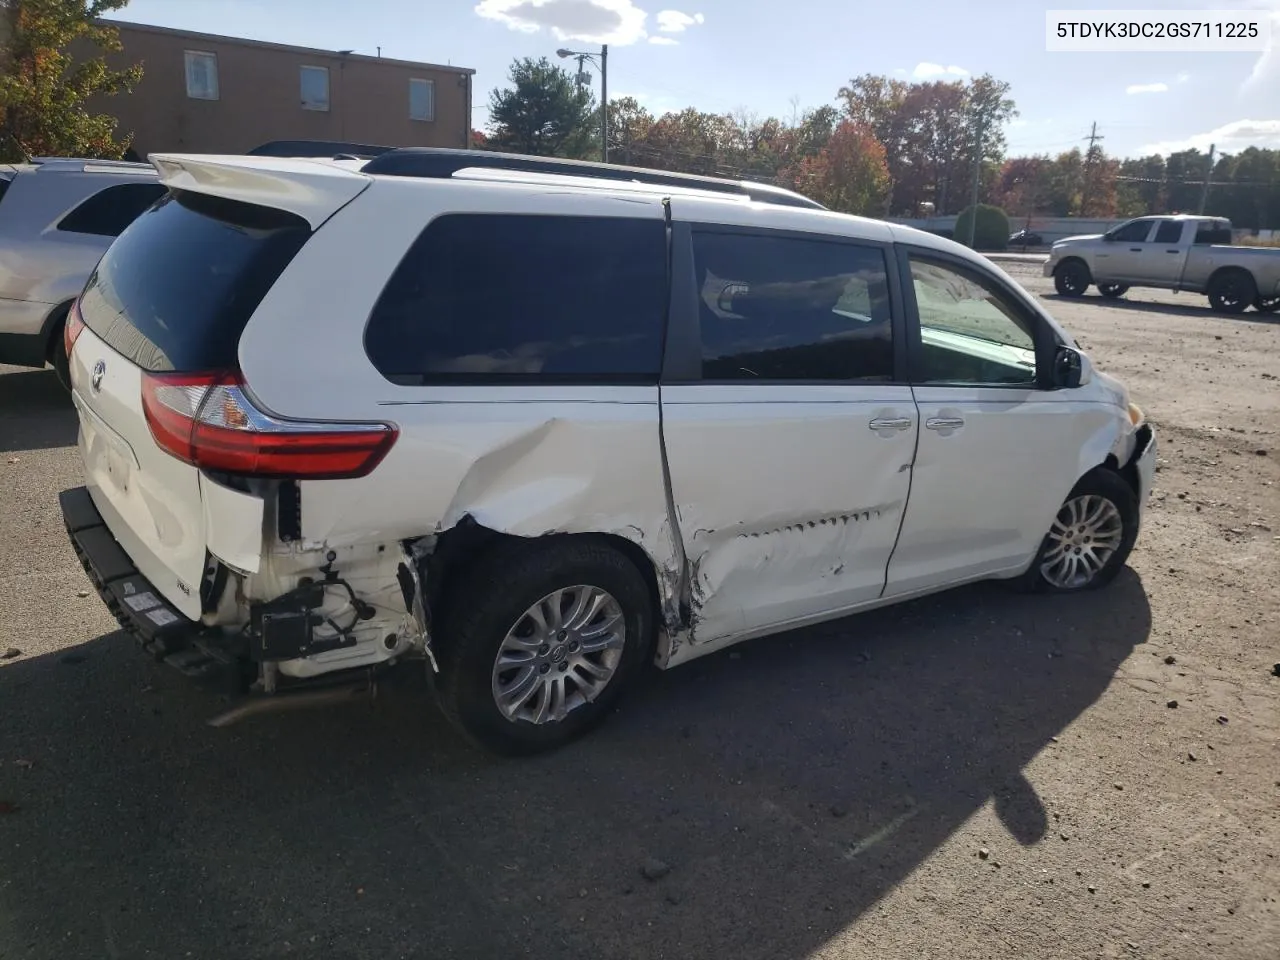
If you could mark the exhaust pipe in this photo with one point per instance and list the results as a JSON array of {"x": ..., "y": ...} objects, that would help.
[{"x": 300, "y": 700}]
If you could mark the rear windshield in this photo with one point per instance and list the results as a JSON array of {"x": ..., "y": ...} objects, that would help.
[{"x": 175, "y": 290}]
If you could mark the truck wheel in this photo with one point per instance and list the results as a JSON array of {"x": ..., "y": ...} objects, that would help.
[
  {"x": 1071, "y": 278},
  {"x": 539, "y": 642},
  {"x": 1232, "y": 291},
  {"x": 1112, "y": 290},
  {"x": 1267, "y": 304}
]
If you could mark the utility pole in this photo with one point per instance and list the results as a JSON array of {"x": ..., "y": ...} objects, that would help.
[
  {"x": 1208, "y": 175},
  {"x": 977, "y": 172},
  {"x": 604, "y": 107},
  {"x": 1093, "y": 138}
]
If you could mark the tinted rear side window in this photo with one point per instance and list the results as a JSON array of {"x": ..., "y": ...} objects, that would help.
[
  {"x": 175, "y": 291},
  {"x": 4, "y": 187},
  {"x": 783, "y": 308},
  {"x": 518, "y": 299},
  {"x": 109, "y": 211}
]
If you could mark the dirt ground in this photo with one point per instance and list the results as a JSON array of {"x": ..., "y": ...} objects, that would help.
[{"x": 974, "y": 775}]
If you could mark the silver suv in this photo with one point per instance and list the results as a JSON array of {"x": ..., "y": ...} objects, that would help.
[{"x": 57, "y": 218}]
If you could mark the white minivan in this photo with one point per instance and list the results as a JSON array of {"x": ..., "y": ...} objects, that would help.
[{"x": 538, "y": 423}]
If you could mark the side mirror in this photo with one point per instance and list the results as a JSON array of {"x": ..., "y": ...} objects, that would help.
[{"x": 1070, "y": 369}]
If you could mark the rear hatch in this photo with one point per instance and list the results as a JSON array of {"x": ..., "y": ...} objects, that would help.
[{"x": 173, "y": 294}]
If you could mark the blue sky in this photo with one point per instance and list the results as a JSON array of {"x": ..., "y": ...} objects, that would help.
[{"x": 769, "y": 56}]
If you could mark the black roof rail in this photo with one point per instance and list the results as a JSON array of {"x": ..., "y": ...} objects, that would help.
[
  {"x": 317, "y": 148},
  {"x": 443, "y": 162}
]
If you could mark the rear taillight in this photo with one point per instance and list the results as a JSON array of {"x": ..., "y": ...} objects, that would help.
[
  {"x": 72, "y": 328},
  {"x": 209, "y": 421}
]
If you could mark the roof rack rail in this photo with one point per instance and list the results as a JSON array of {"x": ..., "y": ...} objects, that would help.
[
  {"x": 318, "y": 148},
  {"x": 443, "y": 162}
]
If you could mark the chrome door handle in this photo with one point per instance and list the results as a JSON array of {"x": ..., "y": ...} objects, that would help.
[
  {"x": 890, "y": 423},
  {"x": 944, "y": 423}
]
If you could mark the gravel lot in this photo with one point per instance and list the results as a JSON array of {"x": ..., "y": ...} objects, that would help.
[{"x": 974, "y": 775}]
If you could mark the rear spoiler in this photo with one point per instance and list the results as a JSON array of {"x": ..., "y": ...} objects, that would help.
[{"x": 310, "y": 189}]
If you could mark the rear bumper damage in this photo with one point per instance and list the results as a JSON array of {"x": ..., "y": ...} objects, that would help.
[{"x": 258, "y": 663}]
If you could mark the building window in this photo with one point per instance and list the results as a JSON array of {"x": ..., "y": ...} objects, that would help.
[
  {"x": 315, "y": 88},
  {"x": 422, "y": 99},
  {"x": 202, "y": 75}
]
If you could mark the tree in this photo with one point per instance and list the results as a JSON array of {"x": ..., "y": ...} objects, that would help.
[
  {"x": 991, "y": 231},
  {"x": 546, "y": 113},
  {"x": 629, "y": 125},
  {"x": 44, "y": 90},
  {"x": 849, "y": 174}
]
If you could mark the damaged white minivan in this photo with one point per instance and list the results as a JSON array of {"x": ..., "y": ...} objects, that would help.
[{"x": 536, "y": 424}]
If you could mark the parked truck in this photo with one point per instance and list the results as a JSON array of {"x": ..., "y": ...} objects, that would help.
[{"x": 1170, "y": 253}]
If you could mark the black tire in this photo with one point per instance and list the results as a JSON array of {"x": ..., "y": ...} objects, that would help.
[
  {"x": 1112, "y": 290},
  {"x": 492, "y": 599},
  {"x": 1266, "y": 304},
  {"x": 1232, "y": 291},
  {"x": 56, "y": 352},
  {"x": 1109, "y": 485},
  {"x": 1071, "y": 278}
]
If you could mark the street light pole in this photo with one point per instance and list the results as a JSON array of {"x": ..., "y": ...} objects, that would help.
[
  {"x": 604, "y": 107},
  {"x": 603, "y": 64}
]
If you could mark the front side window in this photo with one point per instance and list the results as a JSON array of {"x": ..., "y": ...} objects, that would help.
[
  {"x": 785, "y": 308},
  {"x": 422, "y": 99},
  {"x": 109, "y": 211},
  {"x": 1135, "y": 231},
  {"x": 202, "y": 75},
  {"x": 506, "y": 298},
  {"x": 315, "y": 88},
  {"x": 970, "y": 331},
  {"x": 1169, "y": 231}
]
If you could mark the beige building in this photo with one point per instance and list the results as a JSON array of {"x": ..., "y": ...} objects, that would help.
[{"x": 203, "y": 93}]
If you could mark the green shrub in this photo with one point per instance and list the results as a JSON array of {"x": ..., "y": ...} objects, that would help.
[{"x": 992, "y": 232}]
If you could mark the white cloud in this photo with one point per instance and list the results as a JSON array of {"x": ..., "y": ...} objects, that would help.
[
  {"x": 1228, "y": 138},
  {"x": 932, "y": 71},
  {"x": 595, "y": 21},
  {"x": 664, "y": 41},
  {"x": 1184, "y": 77},
  {"x": 1266, "y": 69},
  {"x": 673, "y": 21},
  {"x": 1147, "y": 88}
]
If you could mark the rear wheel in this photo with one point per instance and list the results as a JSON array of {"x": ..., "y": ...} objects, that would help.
[
  {"x": 1267, "y": 304},
  {"x": 1090, "y": 538},
  {"x": 1112, "y": 290},
  {"x": 1071, "y": 278},
  {"x": 540, "y": 641},
  {"x": 1232, "y": 291}
]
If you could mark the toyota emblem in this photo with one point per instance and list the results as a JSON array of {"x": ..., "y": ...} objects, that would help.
[{"x": 99, "y": 370}]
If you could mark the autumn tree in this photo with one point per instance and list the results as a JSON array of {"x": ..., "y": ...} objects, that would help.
[
  {"x": 849, "y": 174},
  {"x": 544, "y": 113},
  {"x": 44, "y": 89}
]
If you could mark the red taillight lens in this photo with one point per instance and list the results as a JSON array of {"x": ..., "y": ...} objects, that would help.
[
  {"x": 72, "y": 328},
  {"x": 209, "y": 421}
]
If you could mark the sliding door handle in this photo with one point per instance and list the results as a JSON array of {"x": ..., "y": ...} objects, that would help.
[
  {"x": 890, "y": 423},
  {"x": 944, "y": 423}
]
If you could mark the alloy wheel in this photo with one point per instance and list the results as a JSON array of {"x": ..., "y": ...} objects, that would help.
[
  {"x": 1084, "y": 537},
  {"x": 560, "y": 654}
]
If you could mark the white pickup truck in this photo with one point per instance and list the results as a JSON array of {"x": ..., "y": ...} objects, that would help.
[{"x": 1173, "y": 253}]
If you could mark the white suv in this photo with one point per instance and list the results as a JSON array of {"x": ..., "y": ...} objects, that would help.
[{"x": 539, "y": 423}]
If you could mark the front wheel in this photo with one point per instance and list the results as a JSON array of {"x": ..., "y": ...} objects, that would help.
[
  {"x": 1232, "y": 291},
  {"x": 1071, "y": 278},
  {"x": 1090, "y": 538},
  {"x": 1112, "y": 290},
  {"x": 540, "y": 641}
]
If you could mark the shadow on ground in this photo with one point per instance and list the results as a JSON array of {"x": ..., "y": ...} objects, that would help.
[
  {"x": 35, "y": 412},
  {"x": 1199, "y": 308},
  {"x": 788, "y": 787}
]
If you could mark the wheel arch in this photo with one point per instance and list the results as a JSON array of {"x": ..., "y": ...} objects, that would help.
[
  {"x": 461, "y": 547},
  {"x": 1229, "y": 268},
  {"x": 49, "y": 330}
]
